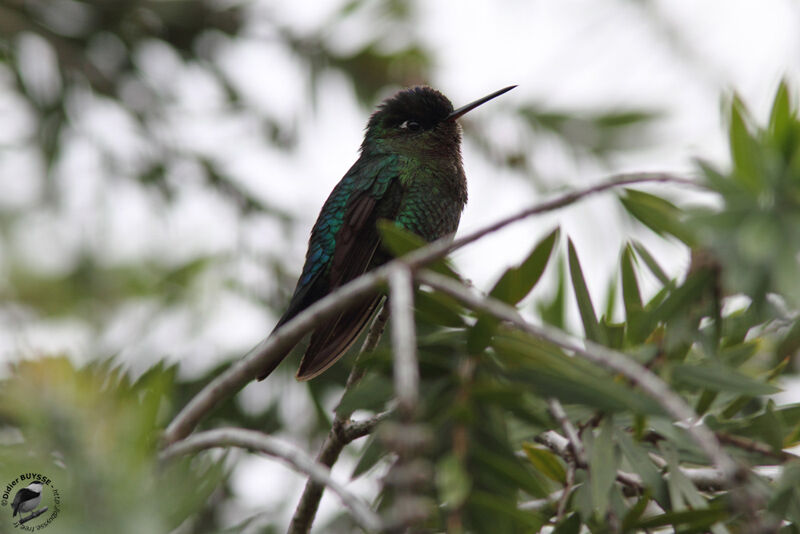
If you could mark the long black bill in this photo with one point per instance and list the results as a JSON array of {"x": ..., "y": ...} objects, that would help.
[{"x": 469, "y": 107}]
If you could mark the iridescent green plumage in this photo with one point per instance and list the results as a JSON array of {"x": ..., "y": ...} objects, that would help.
[{"x": 410, "y": 172}]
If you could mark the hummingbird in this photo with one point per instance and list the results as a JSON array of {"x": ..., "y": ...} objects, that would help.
[{"x": 410, "y": 172}]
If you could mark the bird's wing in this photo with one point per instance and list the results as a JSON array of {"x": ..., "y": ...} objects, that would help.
[
  {"x": 22, "y": 496},
  {"x": 343, "y": 244}
]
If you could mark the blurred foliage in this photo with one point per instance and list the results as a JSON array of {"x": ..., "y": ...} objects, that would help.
[{"x": 485, "y": 386}]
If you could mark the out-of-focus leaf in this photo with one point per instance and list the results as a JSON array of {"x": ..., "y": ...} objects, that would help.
[
  {"x": 518, "y": 281},
  {"x": 658, "y": 214},
  {"x": 697, "y": 520},
  {"x": 643, "y": 466},
  {"x": 370, "y": 455},
  {"x": 719, "y": 377},
  {"x": 651, "y": 263},
  {"x": 492, "y": 506},
  {"x": 371, "y": 393},
  {"x": 437, "y": 308},
  {"x": 603, "y": 464},
  {"x": 744, "y": 150},
  {"x": 545, "y": 462},
  {"x": 553, "y": 312},
  {"x": 510, "y": 468},
  {"x": 584, "y": 300},
  {"x": 570, "y": 525},
  {"x": 572, "y": 380},
  {"x": 452, "y": 481},
  {"x": 400, "y": 242}
]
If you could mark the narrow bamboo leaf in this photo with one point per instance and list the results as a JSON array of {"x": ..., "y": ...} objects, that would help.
[
  {"x": 718, "y": 377},
  {"x": 549, "y": 372},
  {"x": 630, "y": 520},
  {"x": 480, "y": 335},
  {"x": 553, "y": 312},
  {"x": 658, "y": 214},
  {"x": 744, "y": 150},
  {"x": 510, "y": 469},
  {"x": 651, "y": 263},
  {"x": 681, "y": 300},
  {"x": 781, "y": 114},
  {"x": 400, "y": 242},
  {"x": 570, "y": 525},
  {"x": 611, "y": 298},
  {"x": 584, "y": 300},
  {"x": 694, "y": 519},
  {"x": 790, "y": 343},
  {"x": 518, "y": 281},
  {"x": 371, "y": 393},
  {"x": 545, "y": 462},
  {"x": 452, "y": 481},
  {"x": 437, "y": 308},
  {"x": 643, "y": 466},
  {"x": 603, "y": 464},
  {"x": 370, "y": 455},
  {"x": 631, "y": 296},
  {"x": 705, "y": 401},
  {"x": 494, "y": 506}
]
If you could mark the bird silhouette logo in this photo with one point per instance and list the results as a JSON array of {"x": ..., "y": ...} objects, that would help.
[{"x": 27, "y": 500}]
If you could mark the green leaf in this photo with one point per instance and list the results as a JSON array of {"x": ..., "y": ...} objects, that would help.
[
  {"x": 718, "y": 377},
  {"x": 531, "y": 361},
  {"x": 584, "y": 300},
  {"x": 370, "y": 455},
  {"x": 651, "y": 263},
  {"x": 694, "y": 519},
  {"x": 518, "y": 281},
  {"x": 553, "y": 312},
  {"x": 545, "y": 462},
  {"x": 603, "y": 463},
  {"x": 511, "y": 469},
  {"x": 640, "y": 462},
  {"x": 781, "y": 114},
  {"x": 745, "y": 151},
  {"x": 452, "y": 481},
  {"x": 658, "y": 214},
  {"x": 371, "y": 393},
  {"x": 570, "y": 525},
  {"x": 437, "y": 308},
  {"x": 400, "y": 242}
]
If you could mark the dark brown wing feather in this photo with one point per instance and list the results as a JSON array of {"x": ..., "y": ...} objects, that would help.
[{"x": 356, "y": 245}]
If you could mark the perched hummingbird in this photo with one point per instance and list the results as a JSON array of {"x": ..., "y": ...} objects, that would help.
[{"x": 410, "y": 172}]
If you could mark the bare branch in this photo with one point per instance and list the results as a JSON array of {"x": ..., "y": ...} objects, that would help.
[
  {"x": 404, "y": 339},
  {"x": 290, "y": 454},
  {"x": 265, "y": 354},
  {"x": 342, "y": 432},
  {"x": 558, "y": 413},
  {"x": 649, "y": 382},
  {"x": 270, "y": 351}
]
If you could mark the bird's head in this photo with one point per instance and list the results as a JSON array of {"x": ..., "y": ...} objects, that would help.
[
  {"x": 35, "y": 486},
  {"x": 418, "y": 120}
]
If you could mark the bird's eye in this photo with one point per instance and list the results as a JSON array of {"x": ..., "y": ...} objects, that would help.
[{"x": 412, "y": 126}]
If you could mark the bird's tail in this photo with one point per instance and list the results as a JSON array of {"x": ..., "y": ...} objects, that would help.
[{"x": 332, "y": 339}]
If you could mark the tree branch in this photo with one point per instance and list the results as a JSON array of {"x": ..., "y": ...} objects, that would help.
[
  {"x": 342, "y": 432},
  {"x": 271, "y": 351},
  {"x": 290, "y": 454},
  {"x": 404, "y": 339},
  {"x": 648, "y": 381}
]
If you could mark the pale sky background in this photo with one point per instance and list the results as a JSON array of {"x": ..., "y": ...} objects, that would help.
[{"x": 678, "y": 58}]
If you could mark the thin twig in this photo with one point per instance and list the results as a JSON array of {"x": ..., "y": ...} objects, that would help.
[
  {"x": 341, "y": 434},
  {"x": 404, "y": 339},
  {"x": 290, "y": 454},
  {"x": 270, "y": 351},
  {"x": 557, "y": 411},
  {"x": 649, "y": 382}
]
